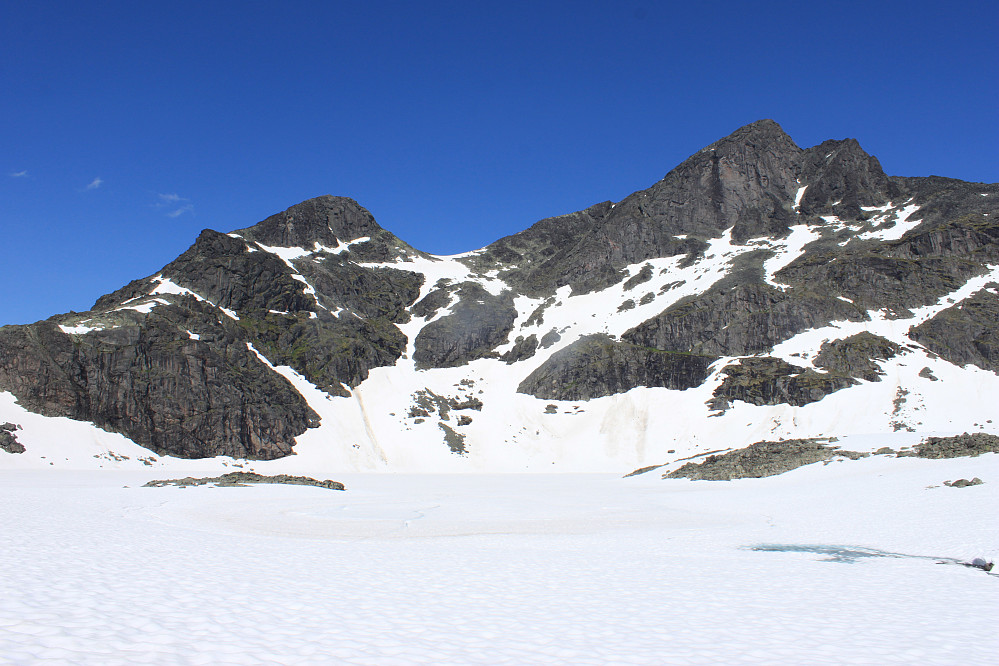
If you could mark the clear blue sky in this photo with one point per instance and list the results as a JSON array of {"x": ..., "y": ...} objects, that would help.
[{"x": 127, "y": 127}]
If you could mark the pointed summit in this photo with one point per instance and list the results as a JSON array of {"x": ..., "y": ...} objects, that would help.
[
  {"x": 841, "y": 177},
  {"x": 329, "y": 221},
  {"x": 326, "y": 220},
  {"x": 763, "y": 134}
]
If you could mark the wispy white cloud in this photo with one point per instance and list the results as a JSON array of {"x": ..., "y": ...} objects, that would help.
[
  {"x": 19, "y": 174},
  {"x": 94, "y": 184},
  {"x": 173, "y": 205},
  {"x": 180, "y": 211}
]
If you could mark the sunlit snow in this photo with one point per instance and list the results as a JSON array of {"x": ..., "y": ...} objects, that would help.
[
  {"x": 901, "y": 226},
  {"x": 850, "y": 562},
  {"x": 797, "y": 197},
  {"x": 80, "y": 329}
]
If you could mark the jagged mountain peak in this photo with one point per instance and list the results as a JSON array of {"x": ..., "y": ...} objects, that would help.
[
  {"x": 841, "y": 177},
  {"x": 745, "y": 182},
  {"x": 332, "y": 222},
  {"x": 763, "y": 134},
  {"x": 326, "y": 219}
]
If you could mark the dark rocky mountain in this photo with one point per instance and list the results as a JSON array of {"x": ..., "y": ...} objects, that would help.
[{"x": 694, "y": 284}]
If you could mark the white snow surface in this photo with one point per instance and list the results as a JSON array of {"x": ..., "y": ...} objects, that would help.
[
  {"x": 902, "y": 223},
  {"x": 860, "y": 565},
  {"x": 146, "y": 306},
  {"x": 797, "y": 197},
  {"x": 786, "y": 252},
  {"x": 80, "y": 329}
]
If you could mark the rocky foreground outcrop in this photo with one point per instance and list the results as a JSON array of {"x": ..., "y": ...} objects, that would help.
[
  {"x": 761, "y": 459},
  {"x": 232, "y": 479},
  {"x": 771, "y": 458}
]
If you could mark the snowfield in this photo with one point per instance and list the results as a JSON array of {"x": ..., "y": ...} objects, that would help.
[{"x": 859, "y": 564}]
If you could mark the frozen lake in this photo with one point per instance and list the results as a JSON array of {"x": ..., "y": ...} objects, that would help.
[{"x": 503, "y": 569}]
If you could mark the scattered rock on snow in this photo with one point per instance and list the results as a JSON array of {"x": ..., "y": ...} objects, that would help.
[
  {"x": 963, "y": 483},
  {"x": 246, "y": 478},
  {"x": 8, "y": 440}
]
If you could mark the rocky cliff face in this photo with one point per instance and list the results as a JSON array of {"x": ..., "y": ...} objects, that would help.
[
  {"x": 755, "y": 272},
  {"x": 597, "y": 365},
  {"x": 967, "y": 333},
  {"x": 154, "y": 383}
]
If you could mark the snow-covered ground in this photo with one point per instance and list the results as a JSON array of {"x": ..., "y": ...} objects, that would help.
[{"x": 504, "y": 569}]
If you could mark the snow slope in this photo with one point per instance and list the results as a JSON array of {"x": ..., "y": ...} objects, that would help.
[{"x": 858, "y": 566}]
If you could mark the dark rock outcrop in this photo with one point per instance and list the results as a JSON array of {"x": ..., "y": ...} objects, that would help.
[
  {"x": 383, "y": 293},
  {"x": 744, "y": 182},
  {"x": 550, "y": 338},
  {"x": 874, "y": 280},
  {"x": 760, "y": 460},
  {"x": 643, "y": 275},
  {"x": 179, "y": 379},
  {"x": 773, "y": 381},
  {"x": 523, "y": 349},
  {"x": 222, "y": 269},
  {"x": 454, "y": 440},
  {"x": 739, "y": 319},
  {"x": 329, "y": 351},
  {"x": 966, "y": 333},
  {"x": 958, "y": 446},
  {"x": 927, "y": 263},
  {"x": 856, "y": 356},
  {"x": 438, "y": 298},
  {"x": 426, "y": 403},
  {"x": 520, "y": 257},
  {"x": 947, "y": 205},
  {"x": 477, "y": 324},
  {"x": 597, "y": 365},
  {"x": 8, "y": 440}
]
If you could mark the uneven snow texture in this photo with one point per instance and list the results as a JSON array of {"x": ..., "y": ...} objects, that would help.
[{"x": 503, "y": 569}]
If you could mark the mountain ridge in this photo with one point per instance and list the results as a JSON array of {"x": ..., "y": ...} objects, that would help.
[{"x": 690, "y": 286}]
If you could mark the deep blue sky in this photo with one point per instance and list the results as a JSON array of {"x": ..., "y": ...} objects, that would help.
[{"x": 127, "y": 128}]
